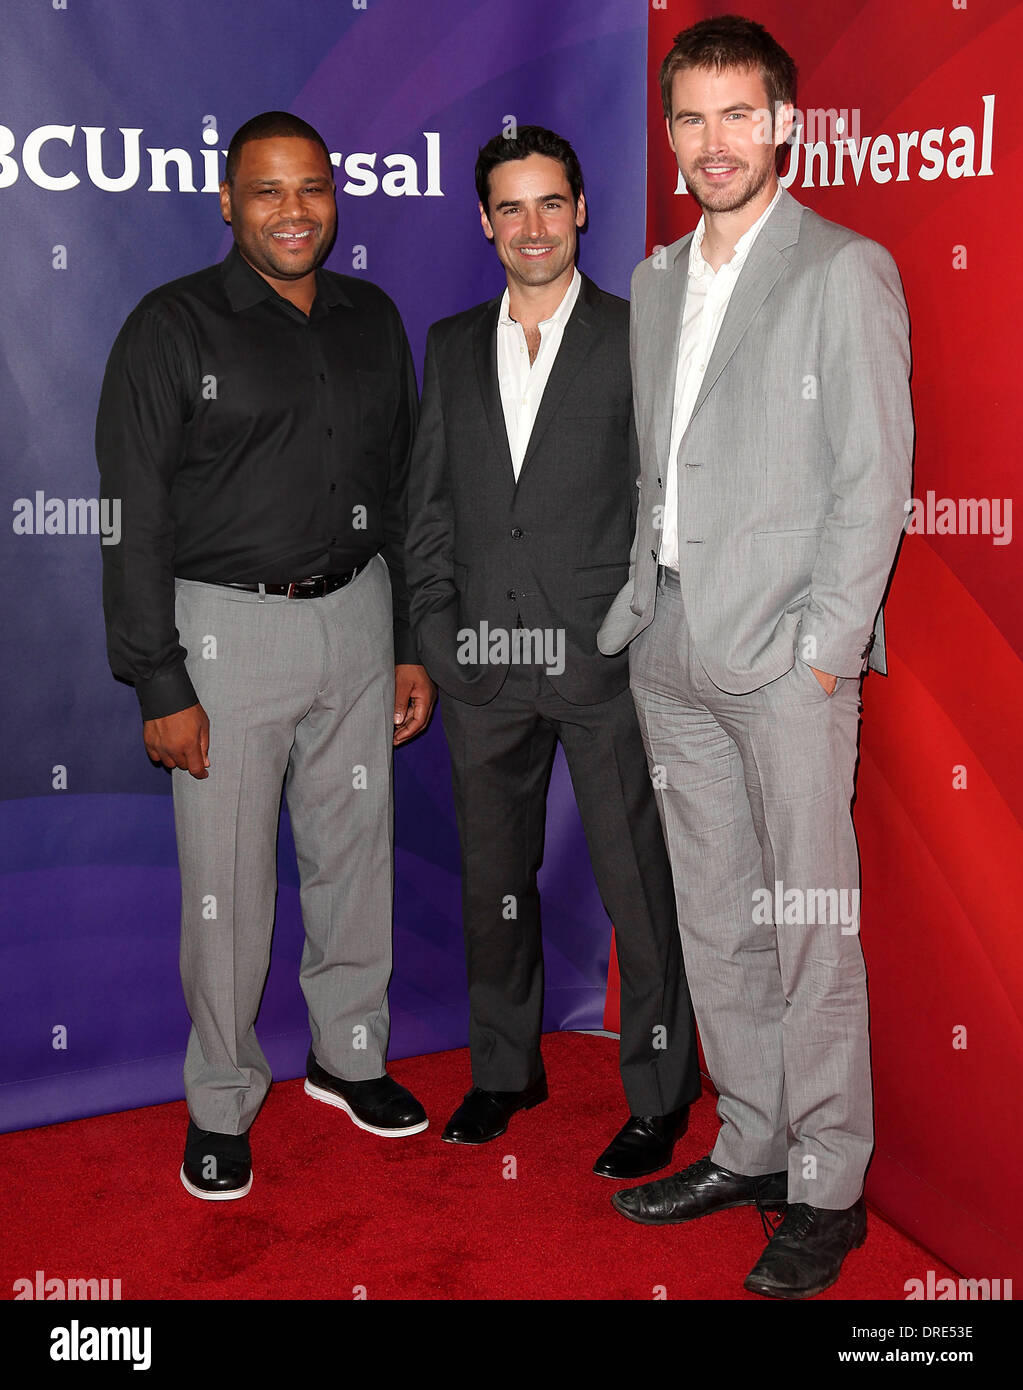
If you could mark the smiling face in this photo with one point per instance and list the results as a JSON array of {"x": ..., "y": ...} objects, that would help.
[
  {"x": 532, "y": 220},
  {"x": 723, "y": 138},
  {"x": 281, "y": 208}
]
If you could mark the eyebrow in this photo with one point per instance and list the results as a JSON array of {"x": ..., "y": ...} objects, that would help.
[
  {"x": 722, "y": 111},
  {"x": 515, "y": 202},
  {"x": 276, "y": 183}
]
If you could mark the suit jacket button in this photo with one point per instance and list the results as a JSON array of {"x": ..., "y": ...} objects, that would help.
[
  {"x": 511, "y": 593},
  {"x": 517, "y": 533},
  {"x": 653, "y": 554}
]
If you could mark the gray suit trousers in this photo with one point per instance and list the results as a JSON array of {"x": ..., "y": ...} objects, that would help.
[
  {"x": 755, "y": 796},
  {"x": 297, "y": 691}
]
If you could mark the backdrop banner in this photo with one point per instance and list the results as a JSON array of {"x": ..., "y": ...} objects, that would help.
[
  {"x": 114, "y": 122},
  {"x": 907, "y": 136}
]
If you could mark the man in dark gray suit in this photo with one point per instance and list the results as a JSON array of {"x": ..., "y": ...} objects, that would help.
[
  {"x": 521, "y": 508},
  {"x": 771, "y": 366}
]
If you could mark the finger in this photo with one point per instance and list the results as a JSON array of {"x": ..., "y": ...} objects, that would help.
[
  {"x": 415, "y": 721},
  {"x": 193, "y": 760}
]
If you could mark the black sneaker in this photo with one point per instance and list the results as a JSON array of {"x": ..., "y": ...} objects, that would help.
[
  {"x": 381, "y": 1106},
  {"x": 217, "y": 1167}
]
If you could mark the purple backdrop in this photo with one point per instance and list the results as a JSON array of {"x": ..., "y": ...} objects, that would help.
[{"x": 92, "y": 1015}]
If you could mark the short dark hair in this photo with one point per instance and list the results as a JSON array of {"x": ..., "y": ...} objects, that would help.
[
  {"x": 527, "y": 140},
  {"x": 729, "y": 41},
  {"x": 270, "y": 125}
]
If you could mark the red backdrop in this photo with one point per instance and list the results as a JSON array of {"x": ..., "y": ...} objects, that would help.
[{"x": 940, "y": 793}]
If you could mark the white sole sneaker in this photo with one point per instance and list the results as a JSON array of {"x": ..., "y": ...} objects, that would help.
[
  {"x": 329, "y": 1098},
  {"x": 214, "y": 1196}
]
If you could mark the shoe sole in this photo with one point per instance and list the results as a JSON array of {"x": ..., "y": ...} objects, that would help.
[
  {"x": 329, "y": 1098},
  {"x": 628, "y": 1177},
  {"x": 682, "y": 1220},
  {"x": 230, "y": 1196}
]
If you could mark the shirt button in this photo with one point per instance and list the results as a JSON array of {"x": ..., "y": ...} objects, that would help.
[
  {"x": 333, "y": 487},
  {"x": 330, "y": 433},
  {"x": 323, "y": 376}
]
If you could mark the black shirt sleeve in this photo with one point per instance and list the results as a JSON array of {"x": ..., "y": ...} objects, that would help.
[
  {"x": 144, "y": 407},
  {"x": 395, "y": 509}
]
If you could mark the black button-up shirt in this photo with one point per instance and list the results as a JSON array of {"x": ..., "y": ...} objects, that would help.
[{"x": 248, "y": 443}]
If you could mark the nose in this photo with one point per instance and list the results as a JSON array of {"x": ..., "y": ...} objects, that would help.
[
  {"x": 714, "y": 136},
  {"x": 535, "y": 224},
  {"x": 292, "y": 204}
]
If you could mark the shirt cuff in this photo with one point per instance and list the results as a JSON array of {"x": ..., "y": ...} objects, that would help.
[{"x": 169, "y": 692}]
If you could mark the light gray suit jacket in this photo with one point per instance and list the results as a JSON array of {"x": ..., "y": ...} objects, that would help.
[{"x": 795, "y": 469}]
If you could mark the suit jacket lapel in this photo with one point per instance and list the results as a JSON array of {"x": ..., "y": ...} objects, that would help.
[
  {"x": 764, "y": 265},
  {"x": 485, "y": 353},
  {"x": 579, "y": 335},
  {"x": 666, "y": 329}
]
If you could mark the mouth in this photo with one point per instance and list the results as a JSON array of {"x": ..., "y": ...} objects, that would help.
[
  {"x": 293, "y": 239},
  {"x": 534, "y": 252},
  {"x": 717, "y": 173}
]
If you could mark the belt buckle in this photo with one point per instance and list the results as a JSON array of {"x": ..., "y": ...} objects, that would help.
[{"x": 291, "y": 590}]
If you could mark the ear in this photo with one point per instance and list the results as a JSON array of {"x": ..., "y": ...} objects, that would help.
[
  {"x": 488, "y": 230},
  {"x": 580, "y": 210},
  {"x": 225, "y": 202},
  {"x": 667, "y": 131},
  {"x": 784, "y": 121}
]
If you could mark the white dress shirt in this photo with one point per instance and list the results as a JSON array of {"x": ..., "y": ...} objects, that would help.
[
  {"x": 707, "y": 296},
  {"x": 522, "y": 385}
]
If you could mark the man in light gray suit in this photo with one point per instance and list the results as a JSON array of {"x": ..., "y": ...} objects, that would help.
[{"x": 770, "y": 363}]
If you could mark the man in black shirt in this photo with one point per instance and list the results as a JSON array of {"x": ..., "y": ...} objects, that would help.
[{"x": 255, "y": 423}]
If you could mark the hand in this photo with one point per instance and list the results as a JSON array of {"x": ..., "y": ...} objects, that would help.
[
  {"x": 180, "y": 740},
  {"x": 414, "y": 696},
  {"x": 828, "y": 683}
]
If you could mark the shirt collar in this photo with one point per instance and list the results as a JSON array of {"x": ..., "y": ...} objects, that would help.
[
  {"x": 245, "y": 287},
  {"x": 561, "y": 314},
  {"x": 699, "y": 267}
]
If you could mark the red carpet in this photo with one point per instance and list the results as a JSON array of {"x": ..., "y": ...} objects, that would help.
[{"x": 333, "y": 1208}]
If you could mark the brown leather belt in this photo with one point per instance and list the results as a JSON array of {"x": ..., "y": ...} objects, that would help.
[{"x": 316, "y": 586}]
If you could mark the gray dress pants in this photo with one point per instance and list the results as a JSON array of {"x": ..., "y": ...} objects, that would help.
[
  {"x": 755, "y": 794},
  {"x": 299, "y": 692}
]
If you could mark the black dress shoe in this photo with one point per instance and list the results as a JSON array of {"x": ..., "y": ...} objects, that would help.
[
  {"x": 483, "y": 1115},
  {"x": 643, "y": 1145},
  {"x": 805, "y": 1254},
  {"x": 701, "y": 1188},
  {"x": 381, "y": 1106},
  {"x": 217, "y": 1167}
]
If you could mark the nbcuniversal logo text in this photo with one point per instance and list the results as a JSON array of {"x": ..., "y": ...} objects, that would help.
[
  {"x": 59, "y": 157},
  {"x": 962, "y": 152}
]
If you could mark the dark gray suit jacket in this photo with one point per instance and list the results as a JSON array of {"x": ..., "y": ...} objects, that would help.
[{"x": 552, "y": 548}]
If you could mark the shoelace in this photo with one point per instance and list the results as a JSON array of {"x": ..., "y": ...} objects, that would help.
[{"x": 794, "y": 1225}]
